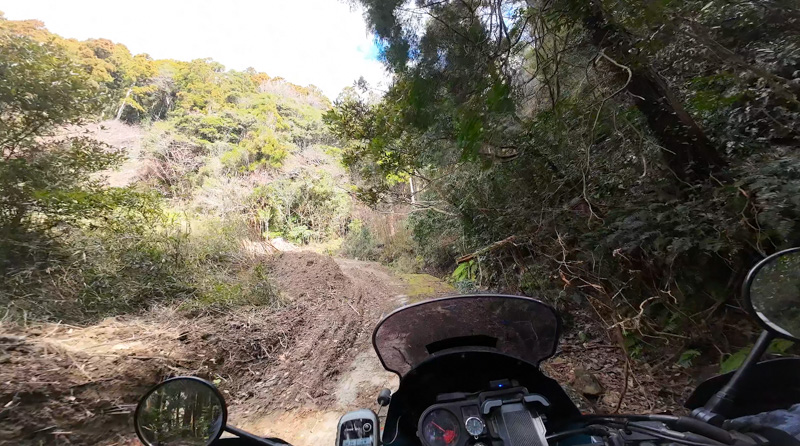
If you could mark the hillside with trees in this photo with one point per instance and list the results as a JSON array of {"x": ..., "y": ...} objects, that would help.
[
  {"x": 144, "y": 205},
  {"x": 626, "y": 162},
  {"x": 207, "y": 176}
]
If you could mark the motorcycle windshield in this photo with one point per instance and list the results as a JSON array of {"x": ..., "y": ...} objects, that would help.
[{"x": 521, "y": 327}]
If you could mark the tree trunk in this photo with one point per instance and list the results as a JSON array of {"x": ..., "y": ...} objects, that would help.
[
  {"x": 124, "y": 102},
  {"x": 188, "y": 411},
  {"x": 413, "y": 190},
  {"x": 687, "y": 151}
]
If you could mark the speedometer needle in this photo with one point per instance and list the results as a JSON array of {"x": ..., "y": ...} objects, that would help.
[{"x": 449, "y": 435}]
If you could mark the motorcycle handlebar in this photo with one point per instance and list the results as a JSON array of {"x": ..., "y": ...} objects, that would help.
[
  {"x": 669, "y": 428},
  {"x": 682, "y": 424}
]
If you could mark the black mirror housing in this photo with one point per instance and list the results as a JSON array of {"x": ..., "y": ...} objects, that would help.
[
  {"x": 771, "y": 293},
  {"x": 181, "y": 410}
]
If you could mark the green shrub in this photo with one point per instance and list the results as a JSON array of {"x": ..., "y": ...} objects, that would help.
[
  {"x": 383, "y": 238},
  {"x": 100, "y": 268},
  {"x": 359, "y": 242},
  {"x": 260, "y": 148},
  {"x": 436, "y": 237},
  {"x": 173, "y": 161},
  {"x": 210, "y": 128},
  {"x": 306, "y": 209},
  {"x": 408, "y": 264},
  {"x": 137, "y": 262},
  {"x": 399, "y": 250},
  {"x": 223, "y": 273},
  {"x": 237, "y": 159}
]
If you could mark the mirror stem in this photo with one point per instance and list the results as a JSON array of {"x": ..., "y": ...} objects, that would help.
[
  {"x": 254, "y": 438},
  {"x": 718, "y": 407}
]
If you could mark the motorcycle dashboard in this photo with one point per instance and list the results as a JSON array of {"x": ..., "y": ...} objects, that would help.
[
  {"x": 458, "y": 420},
  {"x": 446, "y": 424}
]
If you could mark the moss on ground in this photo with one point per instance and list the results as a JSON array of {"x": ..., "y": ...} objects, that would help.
[{"x": 424, "y": 286}]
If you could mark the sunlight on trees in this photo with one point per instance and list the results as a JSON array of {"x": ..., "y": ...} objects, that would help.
[
  {"x": 636, "y": 152},
  {"x": 105, "y": 250}
]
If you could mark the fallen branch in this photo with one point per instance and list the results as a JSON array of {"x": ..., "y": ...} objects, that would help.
[
  {"x": 163, "y": 358},
  {"x": 354, "y": 308},
  {"x": 492, "y": 247},
  {"x": 586, "y": 348}
]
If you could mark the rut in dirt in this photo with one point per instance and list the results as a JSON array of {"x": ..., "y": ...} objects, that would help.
[
  {"x": 65, "y": 384},
  {"x": 349, "y": 298},
  {"x": 330, "y": 317},
  {"x": 288, "y": 372}
]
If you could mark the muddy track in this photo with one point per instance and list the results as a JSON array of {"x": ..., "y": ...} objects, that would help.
[
  {"x": 359, "y": 376},
  {"x": 288, "y": 372}
]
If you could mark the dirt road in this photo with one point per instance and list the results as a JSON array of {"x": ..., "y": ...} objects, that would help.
[
  {"x": 361, "y": 378},
  {"x": 287, "y": 372}
]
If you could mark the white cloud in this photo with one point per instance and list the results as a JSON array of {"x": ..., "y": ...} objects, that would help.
[{"x": 320, "y": 42}]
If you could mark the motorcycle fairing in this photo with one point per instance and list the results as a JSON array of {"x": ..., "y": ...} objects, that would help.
[{"x": 515, "y": 326}]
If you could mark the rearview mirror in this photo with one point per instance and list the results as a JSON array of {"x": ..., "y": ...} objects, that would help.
[
  {"x": 772, "y": 293},
  {"x": 181, "y": 411}
]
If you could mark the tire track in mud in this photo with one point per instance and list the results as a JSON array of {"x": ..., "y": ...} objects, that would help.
[
  {"x": 344, "y": 372},
  {"x": 290, "y": 371}
]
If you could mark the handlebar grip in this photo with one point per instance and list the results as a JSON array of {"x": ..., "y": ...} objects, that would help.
[{"x": 687, "y": 424}]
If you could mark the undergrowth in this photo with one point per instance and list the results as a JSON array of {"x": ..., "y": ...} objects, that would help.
[
  {"x": 385, "y": 238},
  {"x": 92, "y": 274}
]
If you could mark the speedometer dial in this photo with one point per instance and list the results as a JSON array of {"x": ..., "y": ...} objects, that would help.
[{"x": 440, "y": 428}]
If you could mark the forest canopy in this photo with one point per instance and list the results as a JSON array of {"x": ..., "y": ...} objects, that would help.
[{"x": 639, "y": 155}]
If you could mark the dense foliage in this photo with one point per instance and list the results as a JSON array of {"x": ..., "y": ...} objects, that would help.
[
  {"x": 72, "y": 248},
  {"x": 42, "y": 179},
  {"x": 642, "y": 155},
  {"x": 638, "y": 158}
]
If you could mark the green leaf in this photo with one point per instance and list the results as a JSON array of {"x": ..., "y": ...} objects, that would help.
[
  {"x": 686, "y": 358},
  {"x": 734, "y": 361},
  {"x": 470, "y": 134},
  {"x": 779, "y": 346},
  {"x": 633, "y": 345},
  {"x": 463, "y": 272}
]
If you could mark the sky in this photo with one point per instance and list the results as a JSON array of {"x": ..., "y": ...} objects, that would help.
[{"x": 320, "y": 42}]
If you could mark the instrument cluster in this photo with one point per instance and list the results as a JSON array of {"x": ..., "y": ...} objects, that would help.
[
  {"x": 502, "y": 415},
  {"x": 452, "y": 424}
]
